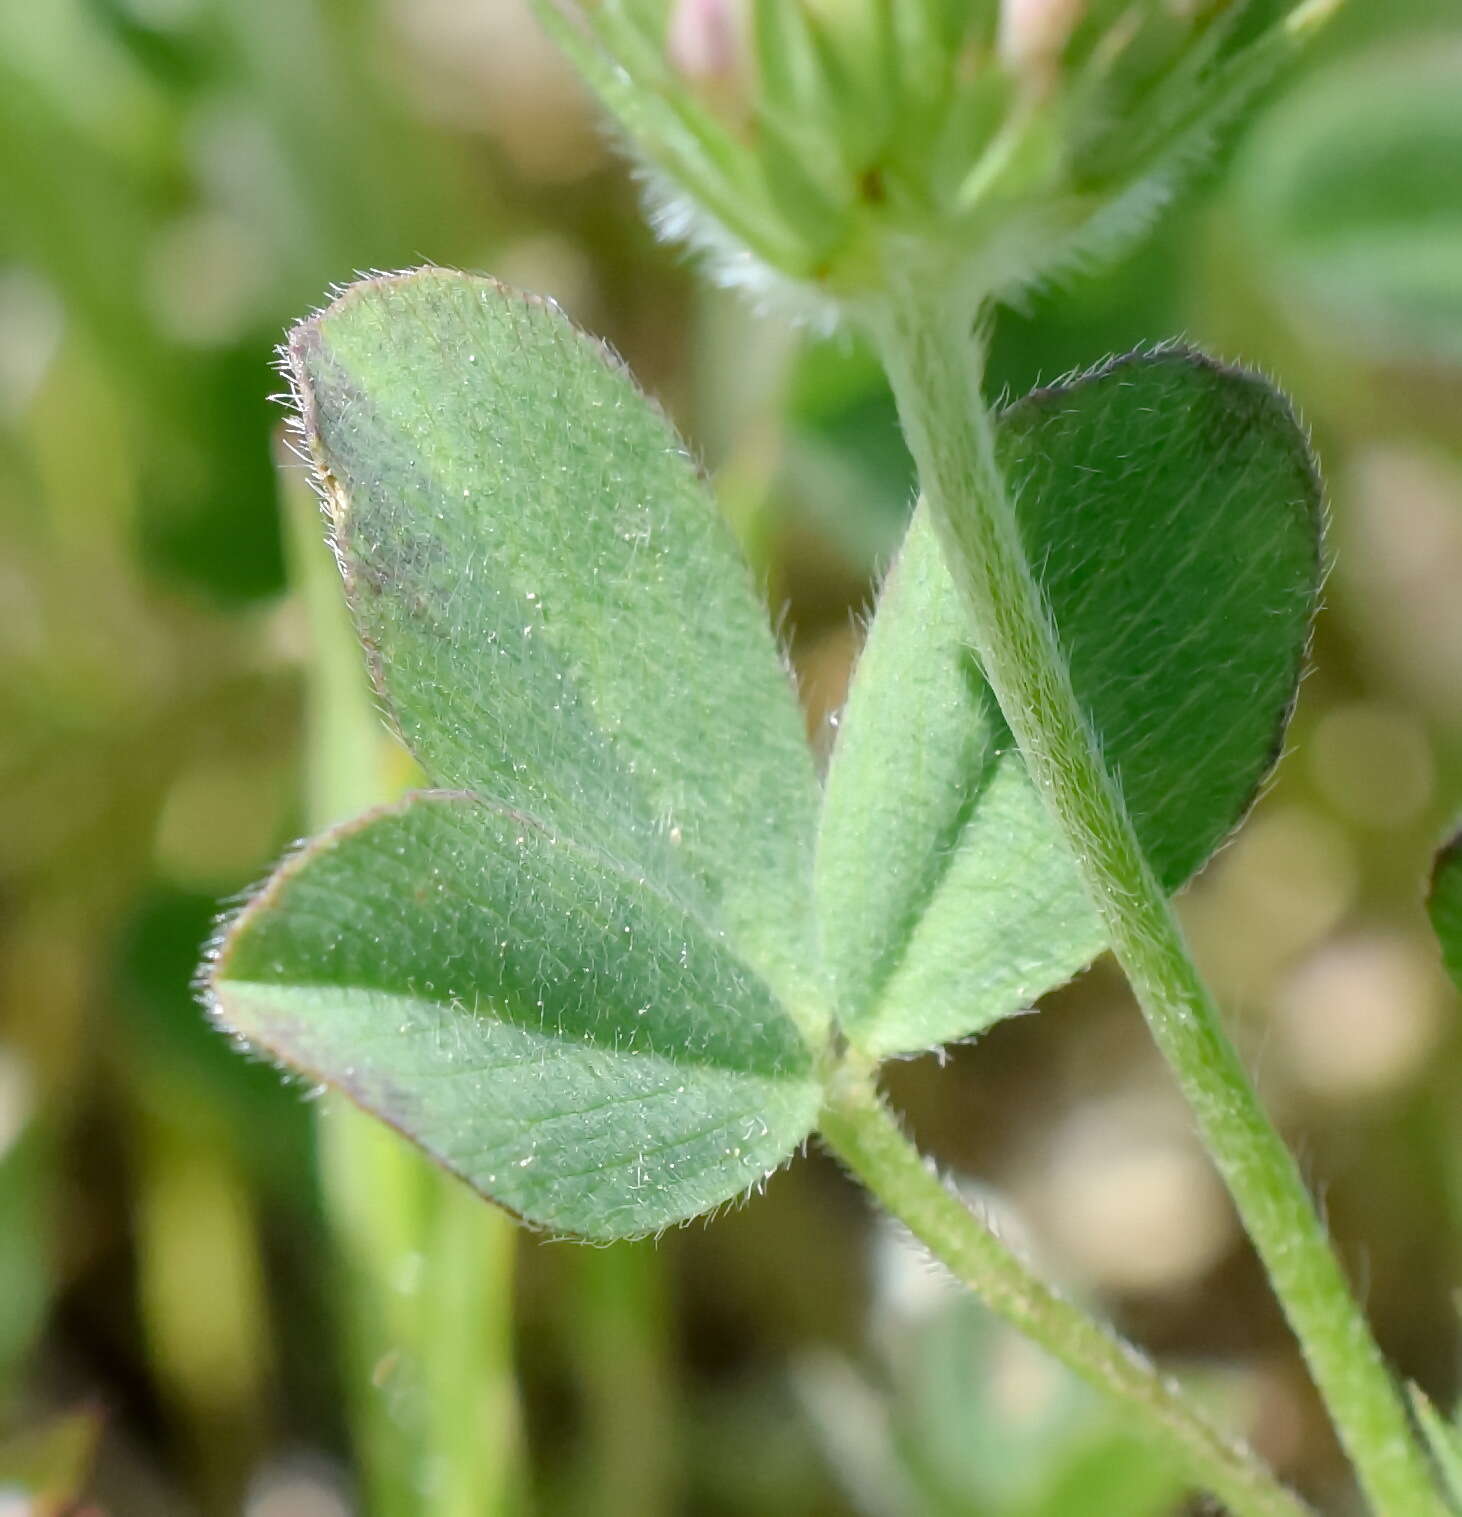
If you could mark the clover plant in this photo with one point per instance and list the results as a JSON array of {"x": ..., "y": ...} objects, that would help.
[{"x": 628, "y": 951}]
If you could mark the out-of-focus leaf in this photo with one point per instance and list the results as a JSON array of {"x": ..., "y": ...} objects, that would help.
[
  {"x": 977, "y": 1421},
  {"x": 988, "y": 1424},
  {"x": 580, "y": 980},
  {"x": 1110, "y": 1469},
  {"x": 1352, "y": 191},
  {"x": 25, "y": 1255},
  {"x": 237, "y": 1102},
  {"x": 1445, "y": 905},
  {"x": 846, "y": 464},
  {"x": 1171, "y": 508},
  {"x": 46, "y": 1469}
]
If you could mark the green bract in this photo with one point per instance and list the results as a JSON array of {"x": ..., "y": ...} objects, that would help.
[
  {"x": 597, "y": 972},
  {"x": 989, "y": 141}
]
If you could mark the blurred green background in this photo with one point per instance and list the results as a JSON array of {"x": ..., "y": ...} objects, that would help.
[{"x": 181, "y": 178}]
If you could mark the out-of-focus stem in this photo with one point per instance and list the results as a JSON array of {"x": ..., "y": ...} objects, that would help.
[
  {"x": 426, "y": 1266},
  {"x": 621, "y": 1326}
]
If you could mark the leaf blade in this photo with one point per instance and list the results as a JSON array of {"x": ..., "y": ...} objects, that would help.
[
  {"x": 556, "y": 614},
  {"x": 1182, "y": 583},
  {"x": 567, "y": 1038}
]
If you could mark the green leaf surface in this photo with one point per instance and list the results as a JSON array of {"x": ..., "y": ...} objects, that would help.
[
  {"x": 1444, "y": 903},
  {"x": 544, "y": 1020},
  {"x": 589, "y": 983},
  {"x": 1171, "y": 508},
  {"x": 1352, "y": 192},
  {"x": 555, "y": 612}
]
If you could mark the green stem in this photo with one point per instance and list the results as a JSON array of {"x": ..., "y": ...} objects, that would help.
[
  {"x": 466, "y": 1336},
  {"x": 859, "y": 1128},
  {"x": 623, "y": 1341},
  {"x": 373, "y": 1191},
  {"x": 934, "y": 365},
  {"x": 426, "y": 1267}
]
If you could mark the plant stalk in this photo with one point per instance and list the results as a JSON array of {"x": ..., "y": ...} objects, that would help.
[
  {"x": 621, "y": 1322},
  {"x": 934, "y": 363},
  {"x": 866, "y": 1136}
]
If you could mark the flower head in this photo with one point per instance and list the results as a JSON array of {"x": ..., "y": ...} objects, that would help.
[{"x": 821, "y": 143}]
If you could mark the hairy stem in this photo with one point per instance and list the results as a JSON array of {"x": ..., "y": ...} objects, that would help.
[
  {"x": 934, "y": 364},
  {"x": 864, "y": 1134}
]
